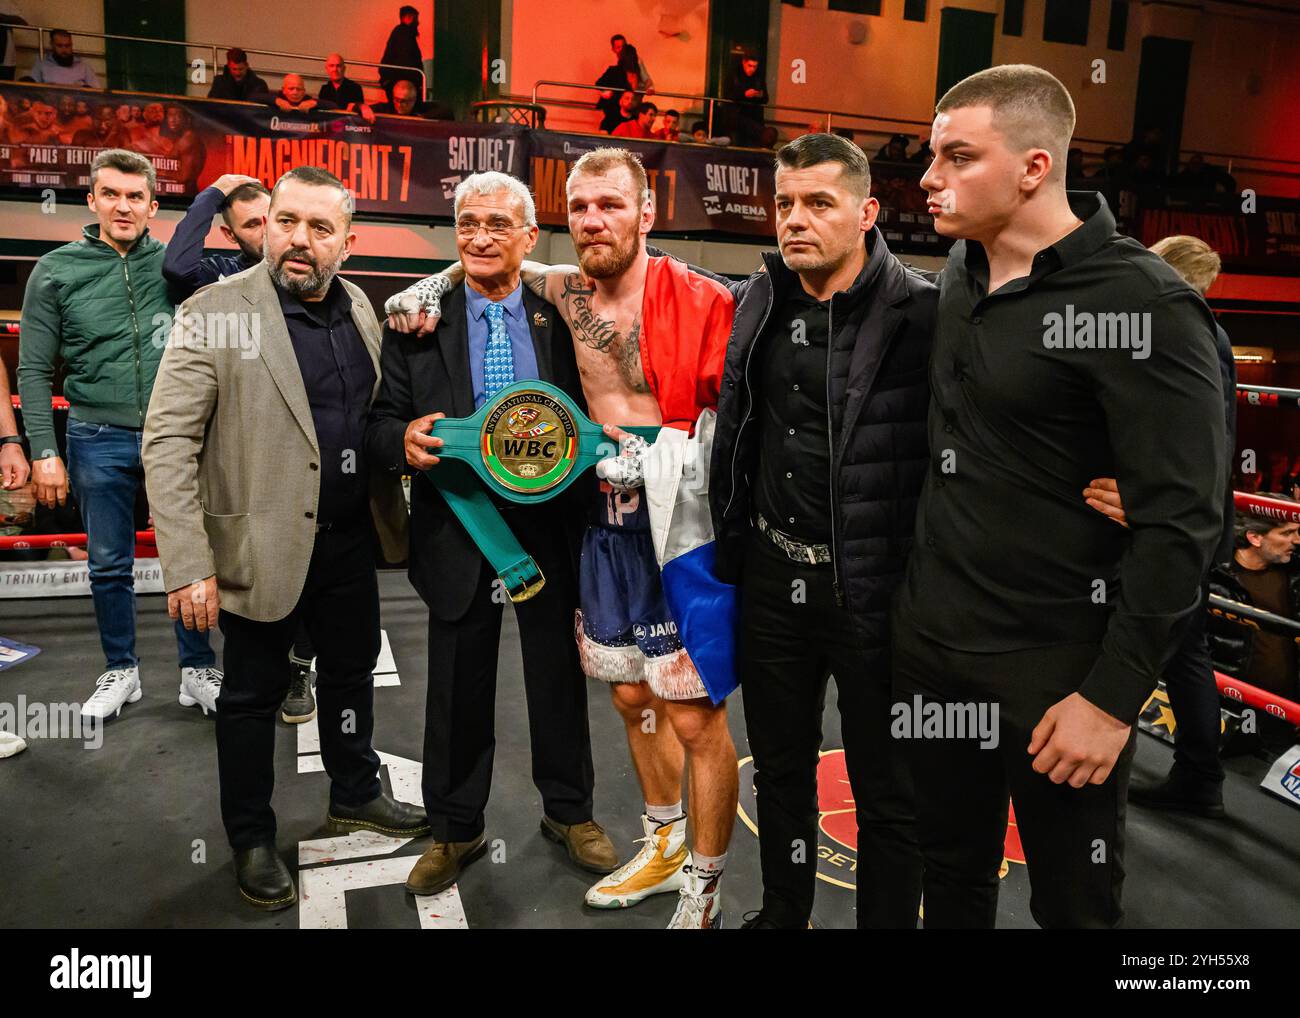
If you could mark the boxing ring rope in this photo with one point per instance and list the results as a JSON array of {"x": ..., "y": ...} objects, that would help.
[
  {"x": 1234, "y": 689},
  {"x": 27, "y": 542}
]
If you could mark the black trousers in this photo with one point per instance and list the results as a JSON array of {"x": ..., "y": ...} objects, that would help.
[
  {"x": 459, "y": 730},
  {"x": 1194, "y": 699},
  {"x": 339, "y": 607},
  {"x": 789, "y": 646},
  {"x": 1073, "y": 839}
]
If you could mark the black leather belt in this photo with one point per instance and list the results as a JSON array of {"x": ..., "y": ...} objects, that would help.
[{"x": 796, "y": 551}]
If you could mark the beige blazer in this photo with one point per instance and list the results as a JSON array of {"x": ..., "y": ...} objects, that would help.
[{"x": 232, "y": 466}]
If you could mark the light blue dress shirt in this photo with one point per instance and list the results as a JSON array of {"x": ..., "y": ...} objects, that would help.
[{"x": 521, "y": 337}]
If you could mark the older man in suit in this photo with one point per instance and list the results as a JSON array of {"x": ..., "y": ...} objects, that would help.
[
  {"x": 493, "y": 331},
  {"x": 256, "y": 472}
]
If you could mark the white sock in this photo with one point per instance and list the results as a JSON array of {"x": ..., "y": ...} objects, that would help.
[
  {"x": 664, "y": 814},
  {"x": 708, "y": 865}
]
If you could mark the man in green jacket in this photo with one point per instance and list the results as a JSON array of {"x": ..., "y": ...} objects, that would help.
[{"x": 100, "y": 305}]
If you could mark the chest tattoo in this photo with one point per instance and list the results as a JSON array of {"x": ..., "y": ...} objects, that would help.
[{"x": 603, "y": 335}]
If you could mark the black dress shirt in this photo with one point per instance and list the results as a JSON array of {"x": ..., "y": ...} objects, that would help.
[
  {"x": 338, "y": 375},
  {"x": 794, "y": 457},
  {"x": 1024, "y": 413}
]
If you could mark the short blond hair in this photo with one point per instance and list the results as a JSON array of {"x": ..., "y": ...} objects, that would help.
[
  {"x": 1191, "y": 258},
  {"x": 1030, "y": 107},
  {"x": 602, "y": 160}
]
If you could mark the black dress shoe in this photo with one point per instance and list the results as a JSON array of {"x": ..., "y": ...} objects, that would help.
[
  {"x": 264, "y": 879},
  {"x": 1182, "y": 794},
  {"x": 383, "y": 814}
]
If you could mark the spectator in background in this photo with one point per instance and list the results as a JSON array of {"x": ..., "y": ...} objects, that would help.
[
  {"x": 770, "y": 138},
  {"x": 293, "y": 97},
  {"x": 238, "y": 81},
  {"x": 608, "y": 101},
  {"x": 670, "y": 128},
  {"x": 402, "y": 50},
  {"x": 924, "y": 155},
  {"x": 341, "y": 91},
  {"x": 103, "y": 132},
  {"x": 749, "y": 94},
  {"x": 1195, "y": 782},
  {"x": 8, "y": 39},
  {"x": 640, "y": 126},
  {"x": 894, "y": 150},
  {"x": 1261, "y": 574},
  {"x": 1075, "y": 177},
  {"x": 1198, "y": 179},
  {"x": 627, "y": 60},
  {"x": 92, "y": 304},
  {"x": 626, "y": 111},
  {"x": 243, "y": 203},
  {"x": 699, "y": 133},
  {"x": 69, "y": 121},
  {"x": 62, "y": 66},
  {"x": 407, "y": 103}
]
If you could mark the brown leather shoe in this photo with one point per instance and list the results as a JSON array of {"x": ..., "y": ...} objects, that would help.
[
  {"x": 587, "y": 843},
  {"x": 442, "y": 864}
]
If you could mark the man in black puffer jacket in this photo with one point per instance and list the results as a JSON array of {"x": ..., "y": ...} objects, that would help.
[
  {"x": 1264, "y": 574},
  {"x": 819, "y": 456}
]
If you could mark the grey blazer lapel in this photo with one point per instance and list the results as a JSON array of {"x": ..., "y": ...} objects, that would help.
[{"x": 276, "y": 350}]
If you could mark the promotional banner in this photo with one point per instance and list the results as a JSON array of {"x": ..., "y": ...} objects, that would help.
[
  {"x": 405, "y": 166},
  {"x": 397, "y": 165},
  {"x": 696, "y": 188}
]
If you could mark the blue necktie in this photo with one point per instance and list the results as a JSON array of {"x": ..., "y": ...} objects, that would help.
[{"x": 498, "y": 358}]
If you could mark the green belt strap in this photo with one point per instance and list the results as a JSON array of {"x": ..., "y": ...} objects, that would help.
[{"x": 567, "y": 443}]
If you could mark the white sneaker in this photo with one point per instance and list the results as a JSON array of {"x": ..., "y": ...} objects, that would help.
[
  {"x": 10, "y": 745},
  {"x": 112, "y": 689},
  {"x": 656, "y": 869},
  {"x": 200, "y": 686},
  {"x": 700, "y": 904}
]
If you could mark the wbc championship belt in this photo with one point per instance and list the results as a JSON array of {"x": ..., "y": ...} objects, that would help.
[{"x": 526, "y": 444}]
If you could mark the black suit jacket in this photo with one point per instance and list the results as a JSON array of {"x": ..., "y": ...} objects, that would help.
[{"x": 427, "y": 374}]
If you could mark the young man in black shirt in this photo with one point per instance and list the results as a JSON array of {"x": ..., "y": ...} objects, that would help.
[{"x": 1062, "y": 351}]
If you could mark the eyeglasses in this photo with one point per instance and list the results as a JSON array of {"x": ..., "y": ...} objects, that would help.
[{"x": 468, "y": 229}]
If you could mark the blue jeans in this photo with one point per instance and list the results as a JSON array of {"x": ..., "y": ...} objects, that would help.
[{"x": 105, "y": 472}]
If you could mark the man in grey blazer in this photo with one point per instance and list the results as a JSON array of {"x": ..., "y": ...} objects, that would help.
[{"x": 255, "y": 467}]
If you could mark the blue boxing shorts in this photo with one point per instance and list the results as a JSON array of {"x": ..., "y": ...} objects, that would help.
[{"x": 624, "y": 629}]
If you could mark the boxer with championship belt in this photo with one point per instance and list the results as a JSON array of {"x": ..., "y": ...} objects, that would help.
[
  {"x": 493, "y": 332},
  {"x": 650, "y": 337}
]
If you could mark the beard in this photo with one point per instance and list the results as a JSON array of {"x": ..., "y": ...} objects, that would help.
[
  {"x": 609, "y": 261},
  {"x": 315, "y": 281},
  {"x": 251, "y": 254}
]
